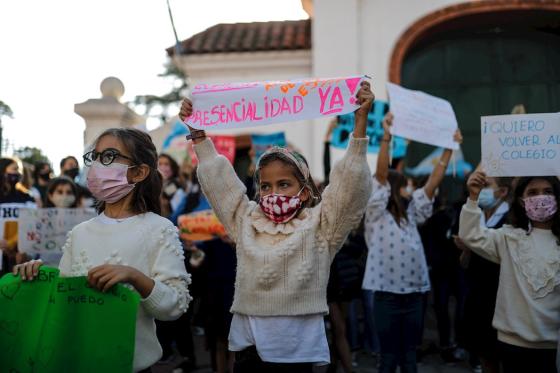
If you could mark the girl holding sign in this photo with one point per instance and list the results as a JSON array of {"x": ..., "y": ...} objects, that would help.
[
  {"x": 129, "y": 242},
  {"x": 527, "y": 314},
  {"x": 396, "y": 268},
  {"x": 285, "y": 242}
]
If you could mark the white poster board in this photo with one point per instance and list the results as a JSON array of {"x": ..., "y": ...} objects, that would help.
[
  {"x": 241, "y": 105},
  {"x": 9, "y": 213},
  {"x": 43, "y": 231},
  {"x": 521, "y": 145},
  {"x": 421, "y": 117}
]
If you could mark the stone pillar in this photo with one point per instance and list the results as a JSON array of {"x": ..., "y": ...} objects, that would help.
[{"x": 107, "y": 111}]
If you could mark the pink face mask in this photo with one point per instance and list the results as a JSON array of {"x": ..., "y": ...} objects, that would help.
[
  {"x": 165, "y": 171},
  {"x": 109, "y": 183},
  {"x": 280, "y": 208},
  {"x": 540, "y": 208}
]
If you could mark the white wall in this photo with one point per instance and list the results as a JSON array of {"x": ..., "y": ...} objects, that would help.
[{"x": 358, "y": 37}]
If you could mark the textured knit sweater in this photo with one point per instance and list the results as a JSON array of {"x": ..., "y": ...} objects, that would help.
[
  {"x": 148, "y": 243},
  {"x": 283, "y": 269},
  {"x": 528, "y": 302}
]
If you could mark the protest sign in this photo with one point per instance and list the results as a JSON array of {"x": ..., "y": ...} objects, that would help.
[
  {"x": 200, "y": 226},
  {"x": 54, "y": 324},
  {"x": 521, "y": 145},
  {"x": 225, "y": 145},
  {"x": 241, "y": 105},
  {"x": 261, "y": 143},
  {"x": 422, "y": 117},
  {"x": 43, "y": 232},
  {"x": 341, "y": 134},
  {"x": 9, "y": 216}
]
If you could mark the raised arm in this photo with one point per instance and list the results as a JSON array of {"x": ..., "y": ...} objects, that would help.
[
  {"x": 439, "y": 170},
  {"x": 479, "y": 239},
  {"x": 382, "y": 170},
  {"x": 345, "y": 199},
  {"x": 219, "y": 182}
]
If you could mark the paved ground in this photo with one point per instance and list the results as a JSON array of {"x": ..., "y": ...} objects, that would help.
[{"x": 432, "y": 363}]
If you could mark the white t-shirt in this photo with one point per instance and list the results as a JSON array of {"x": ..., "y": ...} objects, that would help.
[{"x": 282, "y": 339}]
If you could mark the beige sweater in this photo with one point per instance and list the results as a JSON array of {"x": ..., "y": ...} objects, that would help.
[
  {"x": 527, "y": 310},
  {"x": 148, "y": 243},
  {"x": 283, "y": 269}
]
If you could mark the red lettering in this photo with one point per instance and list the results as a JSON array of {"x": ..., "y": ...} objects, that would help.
[
  {"x": 286, "y": 106},
  {"x": 323, "y": 96},
  {"x": 255, "y": 117},
  {"x": 336, "y": 98},
  {"x": 298, "y": 99},
  {"x": 274, "y": 113}
]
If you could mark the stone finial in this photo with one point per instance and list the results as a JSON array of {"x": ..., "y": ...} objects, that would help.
[{"x": 112, "y": 87}]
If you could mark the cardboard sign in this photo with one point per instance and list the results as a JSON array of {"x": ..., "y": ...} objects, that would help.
[
  {"x": 521, "y": 145},
  {"x": 42, "y": 232},
  {"x": 200, "y": 226},
  {"x": 341, "y": 134},
  {"x": 54, "y": 324},
  {"x": 9, "y": 216},
  {"x": 422, "y": 117},
  {"x": 261, "y": 143},
  {"x": 241, "y": 105}
]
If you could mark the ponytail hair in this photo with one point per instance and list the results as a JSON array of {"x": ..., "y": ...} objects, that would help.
[{"x": 146, "y": 193}]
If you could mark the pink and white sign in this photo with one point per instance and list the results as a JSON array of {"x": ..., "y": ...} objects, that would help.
[{"x": 241, "y": 105}]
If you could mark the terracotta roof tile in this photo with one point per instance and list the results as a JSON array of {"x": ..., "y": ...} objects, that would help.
[{"x": 249, "y": 37}]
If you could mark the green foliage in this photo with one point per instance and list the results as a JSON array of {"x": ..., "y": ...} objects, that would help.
[
  {"x": 5, "y": 110},
  {"x": 31, "y": 155},
  {"x": 162, "y": 103}
]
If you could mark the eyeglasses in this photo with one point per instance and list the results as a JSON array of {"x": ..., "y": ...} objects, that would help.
[{"x": 106, "y": 157}]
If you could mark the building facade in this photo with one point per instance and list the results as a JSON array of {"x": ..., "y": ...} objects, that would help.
[{"x": 484, "y": 56}]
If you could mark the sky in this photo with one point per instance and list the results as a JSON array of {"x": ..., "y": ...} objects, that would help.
[{"x": 54, "y": 54}]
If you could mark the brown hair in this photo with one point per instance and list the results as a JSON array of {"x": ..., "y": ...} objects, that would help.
[
  {"x": 395, "y": 205},
  {"x": 269, "y": 157},
  {"x": 146, "y": 194}
]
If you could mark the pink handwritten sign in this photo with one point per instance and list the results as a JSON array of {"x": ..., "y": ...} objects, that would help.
[{"x": 241, "y": 105}]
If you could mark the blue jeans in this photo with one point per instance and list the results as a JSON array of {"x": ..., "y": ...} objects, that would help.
[
  {"x": 368, "y": 340},
  {"x": 398, "y": 318}
]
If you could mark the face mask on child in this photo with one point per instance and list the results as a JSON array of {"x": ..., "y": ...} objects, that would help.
[
  {"x": 486, "y": 198},
  {"x": 165, "y": 171},
  {"x": 280, "y": 208},
  {"x": 62, "y": 200},
  {"x": 540, "y": 208},
  {"x": 109, "y": 183}
]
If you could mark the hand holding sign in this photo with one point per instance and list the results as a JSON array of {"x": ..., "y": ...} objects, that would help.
[{"x": 476, "y": 182}]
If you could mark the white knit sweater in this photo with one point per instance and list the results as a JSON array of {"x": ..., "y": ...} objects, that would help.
[
  {"x": 148, "y": 243},
  {"x": 528, "y": 302},
  {"x": 283, "y": 269}
]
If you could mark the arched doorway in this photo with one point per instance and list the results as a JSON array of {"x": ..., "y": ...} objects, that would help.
[{"x": 484, "y": 57}]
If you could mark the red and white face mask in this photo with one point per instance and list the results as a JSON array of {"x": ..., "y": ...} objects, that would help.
[{"x": 280, "y": 208}]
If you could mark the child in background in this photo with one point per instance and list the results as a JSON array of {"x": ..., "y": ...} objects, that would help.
[
  {"x": 62, "y": 193},
  {"x": 527, "y": 314},
  {"x": 128, "y": 242},
  {"x": 396, "y": 267},
  {"x": 285, "y": 243}
]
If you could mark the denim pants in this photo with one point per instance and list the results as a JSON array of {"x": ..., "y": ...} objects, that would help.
[
  {"x": 398, "y": 318},
  {"x": 368, "y": 340}
]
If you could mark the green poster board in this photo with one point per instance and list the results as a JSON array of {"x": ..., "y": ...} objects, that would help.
[{"x": 55, "y": 324}]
